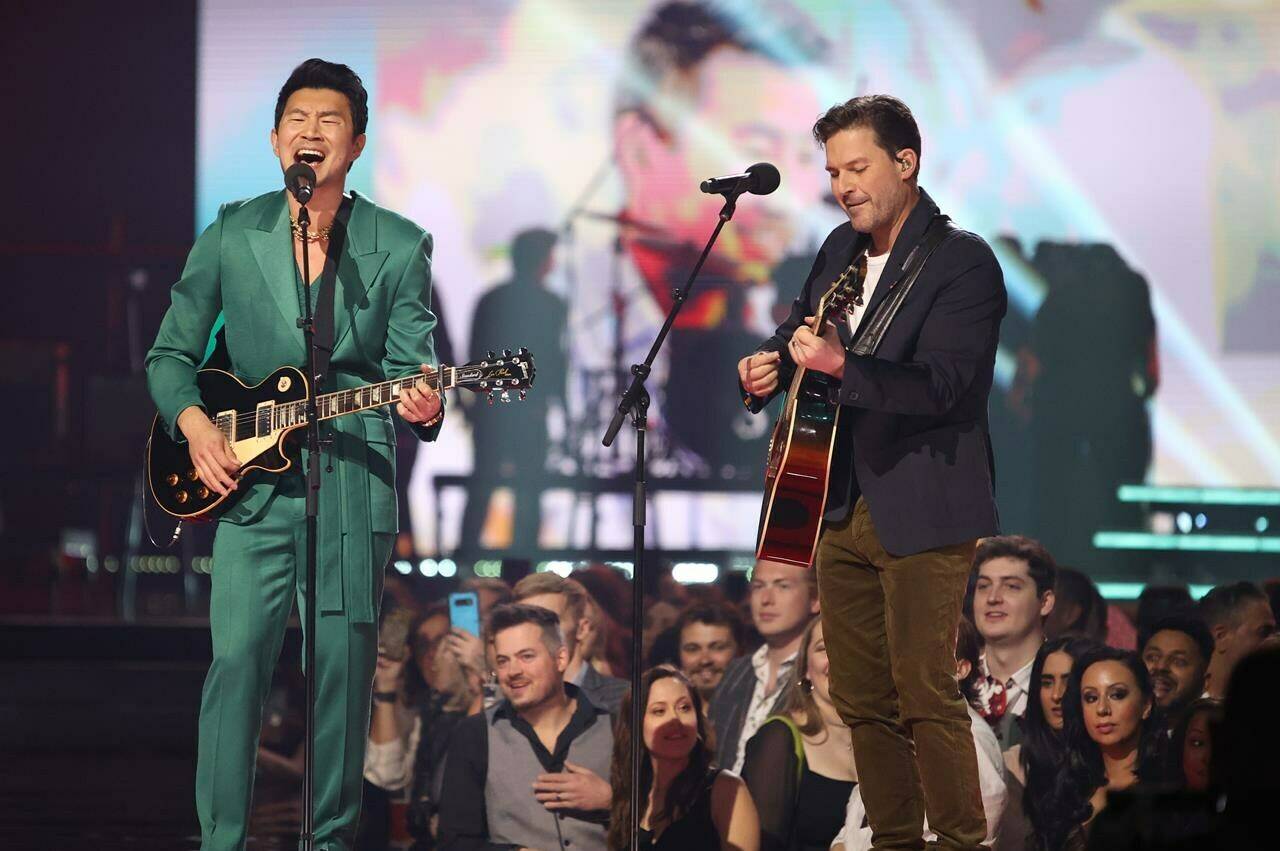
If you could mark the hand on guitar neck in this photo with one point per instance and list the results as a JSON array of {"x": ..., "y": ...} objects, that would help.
[
  {"x": 823, "y": 353},
  {"x": 420, "y": 406},
  {"x": 211, "y": 452}
]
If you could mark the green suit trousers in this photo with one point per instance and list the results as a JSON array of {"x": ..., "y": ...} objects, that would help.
[{"x": 259, "y": 569}]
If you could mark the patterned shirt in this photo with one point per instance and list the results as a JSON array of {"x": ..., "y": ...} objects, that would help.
[
  {"x": 761, "y": 701},
  {"x": 995, "y": 698}
]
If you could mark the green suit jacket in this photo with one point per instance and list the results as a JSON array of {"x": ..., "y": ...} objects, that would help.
[{"x": 242, "y": 267}]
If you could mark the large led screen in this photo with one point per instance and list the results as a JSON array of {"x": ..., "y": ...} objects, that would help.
[{"x": 1120, "y": 157}]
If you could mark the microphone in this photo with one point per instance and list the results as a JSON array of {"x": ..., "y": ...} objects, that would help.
[
  {"x": 300, "y": 180},
  {"x": 759, "y": 179}
]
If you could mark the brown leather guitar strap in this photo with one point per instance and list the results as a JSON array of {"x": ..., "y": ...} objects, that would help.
[{"x": 936, "y": 234}]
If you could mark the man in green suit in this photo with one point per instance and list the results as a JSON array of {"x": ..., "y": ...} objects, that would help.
[{"x": 245, "y": 266}]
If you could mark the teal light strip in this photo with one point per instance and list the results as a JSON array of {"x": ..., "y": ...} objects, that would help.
[
  {"x": 1187, "y": 543},
  {"x": 1198, "y": 496},
  {"x": 1133, "y": 590}
]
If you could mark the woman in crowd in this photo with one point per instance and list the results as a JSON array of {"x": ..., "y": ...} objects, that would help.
[
  {"x": 688, "y": 803},
  {"x": 415, "y": 708},
  {"x": 799, "y": 765},
  {"x": 1106, "y": 710},
  {"x": 1192, "y": 744},
  {"x": 1036, "y": 765}
]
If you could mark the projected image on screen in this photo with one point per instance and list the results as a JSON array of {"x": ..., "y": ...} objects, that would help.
[{"x": 554, "y": 150}]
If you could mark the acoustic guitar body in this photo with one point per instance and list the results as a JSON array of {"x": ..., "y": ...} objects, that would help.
[{"x": 797, "y": 473}]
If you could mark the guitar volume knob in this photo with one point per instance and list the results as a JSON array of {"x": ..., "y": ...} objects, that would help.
[
  {"x": 172, "y": 479},
  {"x": 181, "y": 497},
  {"x": 202, "y": 492},
  {"x": 192, "y": 475}
]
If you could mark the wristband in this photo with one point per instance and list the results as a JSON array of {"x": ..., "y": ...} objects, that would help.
[{"x": 385, "y": 696}]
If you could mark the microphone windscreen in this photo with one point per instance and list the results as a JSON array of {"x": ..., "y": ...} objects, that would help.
[
  {"x": 298, "y": 176},
  {"x": 764, "y": 178}
]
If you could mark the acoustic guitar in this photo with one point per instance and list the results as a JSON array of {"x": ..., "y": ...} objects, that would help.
[
  {"x": 258, "y": 420},
  {"x": 799, "y": 459}
]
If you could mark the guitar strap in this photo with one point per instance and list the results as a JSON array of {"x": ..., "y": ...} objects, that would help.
[
  {"x": 329, "y": 291},
  {"x": 936, "y": 234}
]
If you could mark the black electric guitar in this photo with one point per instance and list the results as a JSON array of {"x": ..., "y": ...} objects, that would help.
[{"x": 257, "y": 420}]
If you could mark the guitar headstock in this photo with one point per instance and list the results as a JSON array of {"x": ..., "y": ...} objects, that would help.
[
  {"x": 845, "y": 291},
  {"x": 498, "y": 375}
]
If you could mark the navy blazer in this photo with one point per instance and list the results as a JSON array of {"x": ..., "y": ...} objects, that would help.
[{"x": 913, "y": 438}]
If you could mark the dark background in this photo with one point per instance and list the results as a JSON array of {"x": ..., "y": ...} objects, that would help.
[{"x": 101, "y": 184}]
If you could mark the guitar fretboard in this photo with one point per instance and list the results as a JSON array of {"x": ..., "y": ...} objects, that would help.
[{"x": 269, "y": 418}]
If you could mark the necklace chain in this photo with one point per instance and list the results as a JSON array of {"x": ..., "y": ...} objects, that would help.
[{"x": 312, "y": 236}]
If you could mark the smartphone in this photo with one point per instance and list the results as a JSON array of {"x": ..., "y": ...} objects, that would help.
[{"x": 464, "y": 612}]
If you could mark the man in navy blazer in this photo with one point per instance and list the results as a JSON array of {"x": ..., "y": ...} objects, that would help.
[{"x": 912, "y": 471}]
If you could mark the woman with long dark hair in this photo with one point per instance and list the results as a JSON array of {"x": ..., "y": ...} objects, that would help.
[
  {"x": 1110, "y": 740},
  {"x": 1038, "y": 762},
  {"x": 799, "y": 764},
  {"x": 688, "y": 803},
  {"x": 1191, "y": 749}
]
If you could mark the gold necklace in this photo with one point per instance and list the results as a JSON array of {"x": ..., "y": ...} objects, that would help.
[{"x": 312, "y": 235}]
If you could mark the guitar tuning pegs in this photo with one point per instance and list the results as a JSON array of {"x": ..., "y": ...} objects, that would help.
[
  {"x": 523, "y": 350},
  {"x": 490, "y": 397},
  {"x": 492, "y": 354},
  {"x": 506, "y": 353},
  {"x": 506, "y": 396},
  {"x": 524, "y": 394},
  {"x": 484, "y": 385}
]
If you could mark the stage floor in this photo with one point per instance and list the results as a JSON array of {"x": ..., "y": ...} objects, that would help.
[{"x": 76, "y": 802}]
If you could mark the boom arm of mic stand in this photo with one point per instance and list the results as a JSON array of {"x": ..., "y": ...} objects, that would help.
[{"x": 640, "y": 371}]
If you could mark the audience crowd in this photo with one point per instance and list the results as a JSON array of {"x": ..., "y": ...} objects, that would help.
[{"x": 1095, "y": 726}]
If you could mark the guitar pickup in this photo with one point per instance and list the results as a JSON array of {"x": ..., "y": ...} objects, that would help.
[{"x": 262, "y": 419}]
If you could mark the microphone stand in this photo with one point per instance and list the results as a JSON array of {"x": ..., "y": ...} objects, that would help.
[
  {"x": 307, "y": 324},
  {"x": 635, "y": 403}
]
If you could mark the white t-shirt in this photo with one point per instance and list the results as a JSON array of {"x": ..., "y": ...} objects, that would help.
[{"x": 875, "y": 267}]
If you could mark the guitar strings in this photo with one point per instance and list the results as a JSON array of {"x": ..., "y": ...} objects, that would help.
[{"x": 252, "y": 416}]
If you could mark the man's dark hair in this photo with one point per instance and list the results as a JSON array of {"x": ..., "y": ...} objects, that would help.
[
  {"x": 1157, "y": 602},
  {"x": 678, "y": 36},
  {"x": 1040, "y": 565},
  {"x": 889, "y": 118},
  {"x": 1188, "y": 625},
  {"x": 712, "y": 614},
  {"x": 319, "y": 74},
  {"x": 511, "y": 615},
  {"x": 1224, "y": 603}
]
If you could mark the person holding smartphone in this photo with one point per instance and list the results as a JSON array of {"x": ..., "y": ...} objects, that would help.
[{"x": 418, "y": 701}]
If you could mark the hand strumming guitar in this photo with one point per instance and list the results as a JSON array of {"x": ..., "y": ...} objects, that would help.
[
  {"x": 210, "y": 450},
  {"x": 759, "y": 373}
]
